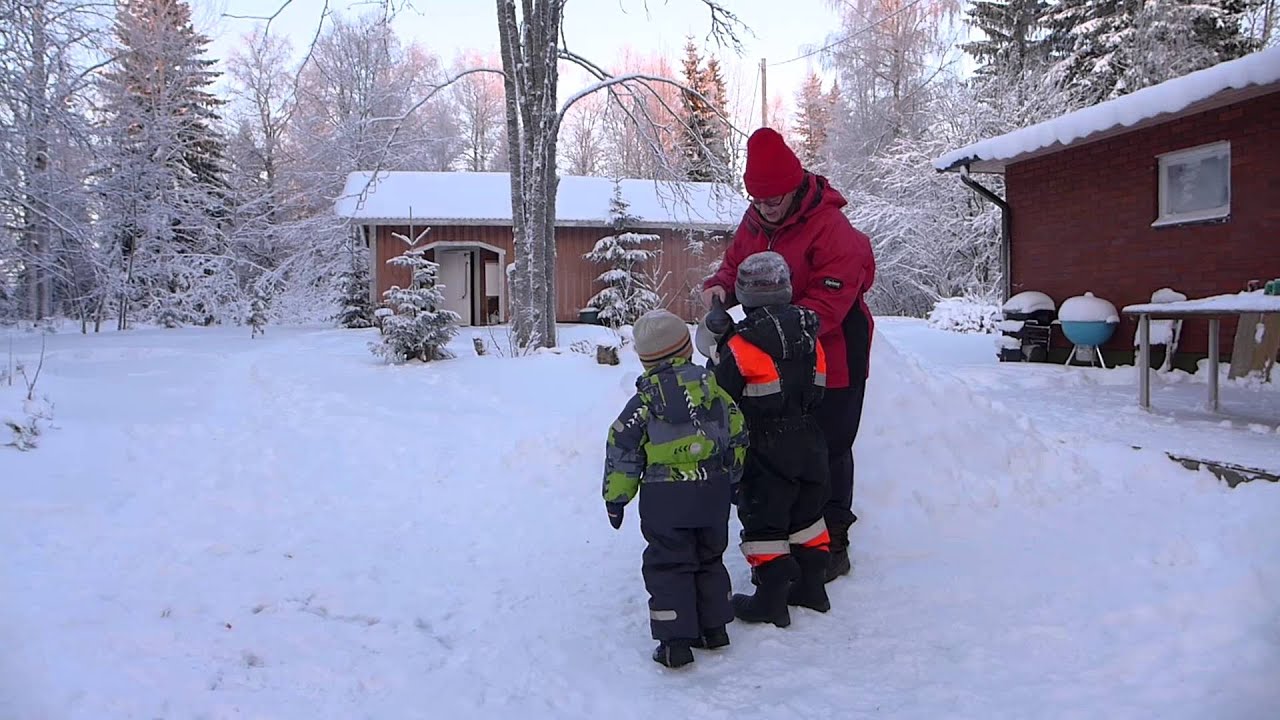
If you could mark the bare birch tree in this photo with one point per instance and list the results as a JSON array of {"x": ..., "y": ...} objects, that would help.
[{"x": 529, "y": 37}]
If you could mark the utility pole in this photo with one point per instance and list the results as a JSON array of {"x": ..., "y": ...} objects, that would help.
[{"x": 764, "y": 95}]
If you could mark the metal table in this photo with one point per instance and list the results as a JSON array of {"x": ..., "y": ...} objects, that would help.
[{"x": 1213, "y": 308}]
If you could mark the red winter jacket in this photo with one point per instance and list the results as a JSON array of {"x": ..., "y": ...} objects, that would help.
[{"x": 832, "y": 266}]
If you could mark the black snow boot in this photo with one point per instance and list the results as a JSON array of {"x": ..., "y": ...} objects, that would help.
[
  {"x": 838, "y": 561},
  {"x": 810, "y": 590},
  {"x": 712, "y": 638},
  {"x": 769, "y": 603},
  {"x": 673, "y": 653}
]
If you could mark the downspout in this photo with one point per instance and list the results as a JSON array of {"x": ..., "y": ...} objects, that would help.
[{"x": 1005, "y": 226}]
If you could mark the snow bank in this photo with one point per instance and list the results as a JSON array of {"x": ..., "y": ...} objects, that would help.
[
  {"x": 980, "y": 457},
  {"x": 1087, "y": 308},
  {"x": 964, "y": 314},
  {"x": 1171, "y": 96}
]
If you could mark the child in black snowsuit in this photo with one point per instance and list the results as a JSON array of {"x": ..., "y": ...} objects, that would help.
[
  {"x": 772, "y": 364},
  {"x": 679, "y": 443}
]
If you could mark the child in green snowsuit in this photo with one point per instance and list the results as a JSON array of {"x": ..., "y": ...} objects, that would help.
[{"x": 680, "y": 443}]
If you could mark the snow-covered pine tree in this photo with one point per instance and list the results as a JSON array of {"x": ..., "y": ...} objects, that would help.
[
  {"x": 257, "y": 319},
  {"x": 627, "y": 294},
  {"x": 703, "y": 136},
  {"x": 420, "y": 327},
  {"x": 357, "y": 305},
  {"x": 1014, "y": 36},
  {"x": 164, "y": 192},
  {"x": 1107, "y": 48},
  {"x": 812, "y": 123}
]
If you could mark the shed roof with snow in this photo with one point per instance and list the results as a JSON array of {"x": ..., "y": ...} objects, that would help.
[
  {"x": 484, "y": 198},
  {"x": 1223, "y": 84}
]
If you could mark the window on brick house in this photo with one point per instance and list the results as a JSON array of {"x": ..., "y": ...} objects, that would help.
[{"x": 1195, "y": 184}]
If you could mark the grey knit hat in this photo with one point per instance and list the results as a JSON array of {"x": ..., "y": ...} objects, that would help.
[
  {"x": 763, "y": 279},
  {"x": 660, "y": 335}
]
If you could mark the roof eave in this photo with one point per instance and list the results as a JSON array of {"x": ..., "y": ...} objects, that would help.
[
  {"x": 1218, "y": 100},
  {"x": 976, "y": 166}
]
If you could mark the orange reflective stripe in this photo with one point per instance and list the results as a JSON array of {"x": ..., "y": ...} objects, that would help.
[
  {"x": 820, "y": 374},
  {"x": 757, "y": 368}
]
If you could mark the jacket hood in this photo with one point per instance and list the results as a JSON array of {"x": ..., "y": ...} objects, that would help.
[{"x": 784, "y": 332}]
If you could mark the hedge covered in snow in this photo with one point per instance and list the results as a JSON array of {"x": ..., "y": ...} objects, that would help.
[{"x": 965, "y": 314}]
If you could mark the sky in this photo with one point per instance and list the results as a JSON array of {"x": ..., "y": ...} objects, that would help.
[{"x": 596, "y": 29}]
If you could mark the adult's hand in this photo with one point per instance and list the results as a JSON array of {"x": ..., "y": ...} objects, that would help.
[{"x": 713, "y": 291}]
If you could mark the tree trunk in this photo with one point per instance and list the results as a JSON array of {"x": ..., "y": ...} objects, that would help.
[
  {"x": 529, "y": 56},
  {"x": 36, "y": 214}
]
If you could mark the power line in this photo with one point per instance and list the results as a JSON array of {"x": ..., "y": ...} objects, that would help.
[{"x": 850, "y": 36}]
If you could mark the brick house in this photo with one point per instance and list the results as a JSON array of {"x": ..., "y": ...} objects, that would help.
[
  {"x": 464, "y": 219},
  {"x": 1172, "y": 186}
]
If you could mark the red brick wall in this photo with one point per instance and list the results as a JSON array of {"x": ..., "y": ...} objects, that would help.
[
  {"x": 575, "y": 276},
  {"x": 1082, "y": 218}
]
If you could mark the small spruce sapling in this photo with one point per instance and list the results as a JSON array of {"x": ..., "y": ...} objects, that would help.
[
  {"x": 628, "y": 293},
  {"x": 257, "y": 315},
  {"x": 420, "y": 327}
]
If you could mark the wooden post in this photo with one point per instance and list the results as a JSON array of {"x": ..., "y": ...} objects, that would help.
[
  {"x": 764, "y": 95},
  {"x": 1213, "y": 363},
  {"x": 1144, "y": 361}
]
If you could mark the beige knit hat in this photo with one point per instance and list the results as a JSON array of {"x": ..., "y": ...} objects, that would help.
[{"x": 660, "y": 335}]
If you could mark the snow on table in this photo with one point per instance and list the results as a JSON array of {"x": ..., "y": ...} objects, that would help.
[
  {"x": 286, "y": 528},
  {"x": 1255, "y": 301}
]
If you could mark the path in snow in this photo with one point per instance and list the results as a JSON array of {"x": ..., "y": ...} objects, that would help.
[{"x": 284, "y": 527}]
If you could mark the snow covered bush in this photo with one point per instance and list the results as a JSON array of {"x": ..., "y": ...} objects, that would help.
[
  {"x": 629, "y": 291},
  {"x": 24, "y": 420},
  {"x": 24, "y": 415},
  {"x": 965, "y": 314},
  {"x": 418, "y": 327}
]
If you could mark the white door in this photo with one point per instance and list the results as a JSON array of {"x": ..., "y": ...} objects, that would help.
[{"x": 455, "y": 274}]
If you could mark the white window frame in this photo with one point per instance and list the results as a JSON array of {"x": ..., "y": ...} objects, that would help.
[{"x": 1177, "y": 157}]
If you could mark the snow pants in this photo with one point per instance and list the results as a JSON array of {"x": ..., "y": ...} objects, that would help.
[
  {"x": 784, "y": 490},
  {"x": 687, "y": 582},
  {"x": 840, "y": 414}
]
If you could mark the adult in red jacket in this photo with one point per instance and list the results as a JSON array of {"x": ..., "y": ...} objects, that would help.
[{"x": 798, "y": 215}]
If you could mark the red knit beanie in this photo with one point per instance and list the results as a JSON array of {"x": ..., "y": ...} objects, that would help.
[{"x": 772, "y": 169}]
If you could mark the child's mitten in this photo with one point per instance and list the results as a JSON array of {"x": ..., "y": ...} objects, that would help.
[{"x": 615, "y": 511}]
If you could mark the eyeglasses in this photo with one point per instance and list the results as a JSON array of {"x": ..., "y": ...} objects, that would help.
[{"x": 769, "y": 202}]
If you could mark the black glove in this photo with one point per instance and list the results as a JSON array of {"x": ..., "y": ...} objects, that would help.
[
  {"x": 615, "y": 511},
  {"x": 718, "y": 319}
]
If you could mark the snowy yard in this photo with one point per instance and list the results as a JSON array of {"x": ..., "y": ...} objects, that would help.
[{"x": 284, "y": 527}]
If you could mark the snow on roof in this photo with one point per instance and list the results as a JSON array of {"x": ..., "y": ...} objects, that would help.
[
  {"x": 1171, "y": 96},
  {"x": 484, "y": 198}
]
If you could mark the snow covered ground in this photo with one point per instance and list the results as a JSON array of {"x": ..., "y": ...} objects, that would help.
[
  {"x": 1084, "y": 404},
  {"x": 283, "y": 527}
]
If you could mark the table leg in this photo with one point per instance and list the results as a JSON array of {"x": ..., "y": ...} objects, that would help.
[
  {"x": 1213, "y": 364},
  {"x": 1144, "y": 361}
]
